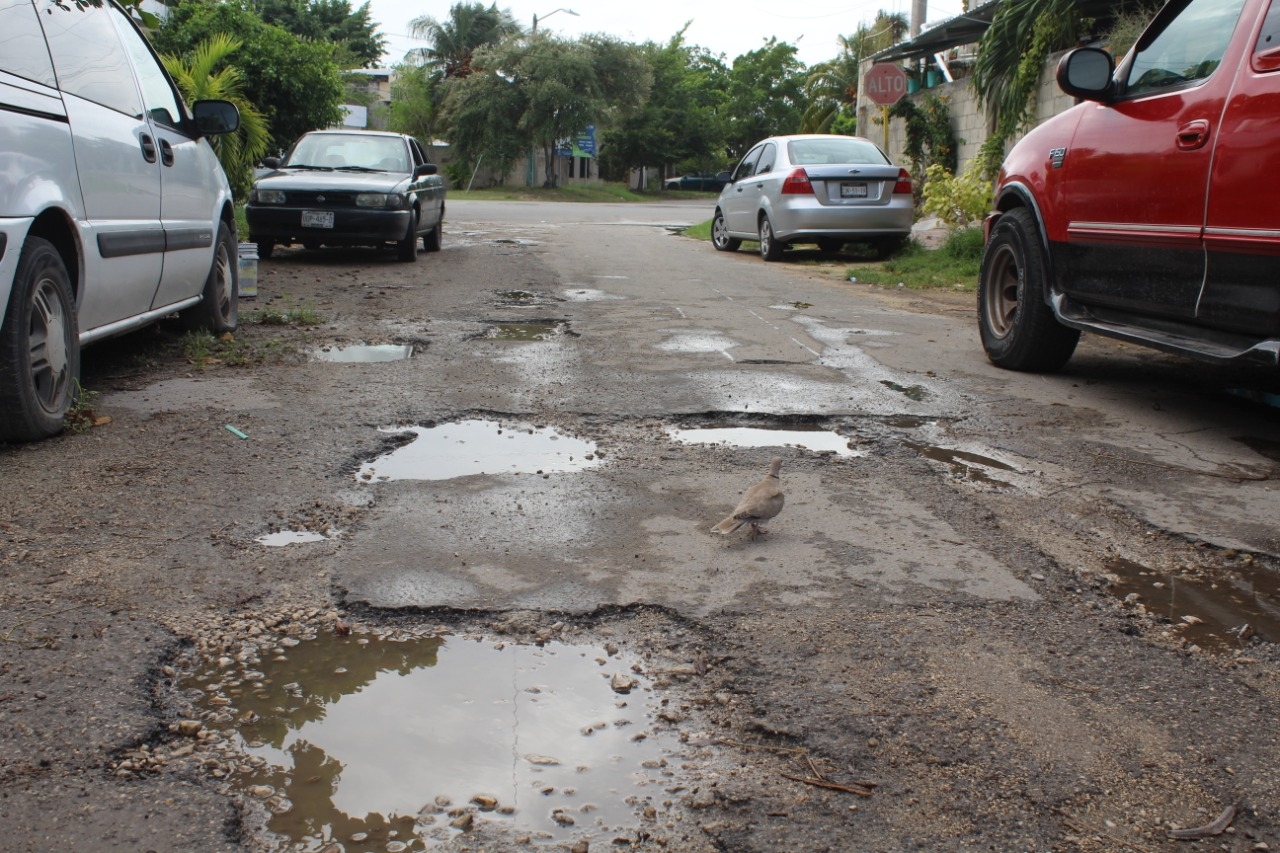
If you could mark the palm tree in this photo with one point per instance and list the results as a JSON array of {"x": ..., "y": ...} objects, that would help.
[
  {"x": 201, "y": 78},
  {"x": 1012, "y": 52},
  {"x": 832, "y": 86},
  {"x": 455, "y": 40}
]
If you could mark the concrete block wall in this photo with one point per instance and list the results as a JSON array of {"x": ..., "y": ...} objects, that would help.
[{"x": 968, "y": 120}]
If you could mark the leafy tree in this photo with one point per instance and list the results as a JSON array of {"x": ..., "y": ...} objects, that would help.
[
  {"x": 539, "y": 92},
  {"x": 206, "y": 75},
  {"x": 683, "y": 120},
  {"x": 329, "y": 21},
  {"x": 413, "y": 101},
  {"x": 454, "y": 41},
  {"x": 766, "y": 95},
  {"x": 293, "y": 82}
]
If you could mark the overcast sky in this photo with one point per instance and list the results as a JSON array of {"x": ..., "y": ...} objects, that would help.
[{"x": 731, "y": 27}]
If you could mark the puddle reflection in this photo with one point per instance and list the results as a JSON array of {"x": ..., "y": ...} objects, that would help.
[
  {"x": 817, "y": 440},
  {"x": 467, "y": 447},
  {"x": 382, "y": 744},
  {"x": 290, "y": 537},
  {"x": 528, "y": 331},
  {"x": 1212, "y": 614},
  {"x": 963, "y": 463},
  {"x": 364, "y": 354}
]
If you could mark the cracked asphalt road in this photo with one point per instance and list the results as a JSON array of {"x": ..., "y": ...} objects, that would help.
[{"x": 930, "y": 612}]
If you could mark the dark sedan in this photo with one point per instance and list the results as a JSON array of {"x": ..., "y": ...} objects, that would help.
[
  {"x": 705, "y": 183},
  {"x": 349, "y": 188}
]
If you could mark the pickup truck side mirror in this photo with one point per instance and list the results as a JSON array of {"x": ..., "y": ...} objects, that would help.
[{"x": 1086, "y": 73}]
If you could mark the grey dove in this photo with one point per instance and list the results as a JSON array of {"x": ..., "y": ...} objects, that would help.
[{"x": 759, "y": 503}]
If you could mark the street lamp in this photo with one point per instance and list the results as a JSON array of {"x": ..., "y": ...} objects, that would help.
[{"x": 549, "y": 14}]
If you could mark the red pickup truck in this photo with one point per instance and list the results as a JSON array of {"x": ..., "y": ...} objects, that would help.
[{"x": 1150, "y": 211}]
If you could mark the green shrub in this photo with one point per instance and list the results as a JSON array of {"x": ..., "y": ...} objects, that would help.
[
  {"x": 964, "y": 244},
  {"x": 957, "y": 201}
]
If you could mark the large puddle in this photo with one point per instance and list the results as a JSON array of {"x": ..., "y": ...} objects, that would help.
[
  {"x": 476, "y": 446},
  {"x": 527, "y": 330},
  {"x": 1218, "y": 614},
  {"x": 383, "y": 744},
  {"x": 364, "y": 353},
  {"x": 815, "y": 439}
]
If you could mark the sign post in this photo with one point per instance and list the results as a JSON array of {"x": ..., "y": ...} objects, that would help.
[{"x": 885, "y": 84}]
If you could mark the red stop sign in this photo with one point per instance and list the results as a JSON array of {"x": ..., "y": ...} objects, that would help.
[{"x": 885, "y": 84}]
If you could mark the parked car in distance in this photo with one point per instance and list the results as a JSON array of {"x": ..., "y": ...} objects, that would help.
[
  {"x": 1147, "y": 212},
  {"x": 114, "y": 210},
  {"x": 703, "y": 183},
  {"x": 349, "y": 188},
  {"x": 823, "y": 189}
]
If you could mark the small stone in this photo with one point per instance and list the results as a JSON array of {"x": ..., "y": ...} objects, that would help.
[
  {"x": 562, "y": 817},
  {"x": 359, "y": 836},
  {"x": 190, "y": 728},
  {"x": 463, "y": 822},
  {"x": 542, "y": 759},
  {"x": 622, "y": 683},
  {"x": 486, "y": 803}
]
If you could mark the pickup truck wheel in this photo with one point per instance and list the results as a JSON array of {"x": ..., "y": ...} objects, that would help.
[
  {"x": 1019, "y": 330},
  {"x": 770, "y": 247},
  {"x": 218, "y": 310},
  {"x": 39, "y": 346},
  {"x": 720, "y": 235}
]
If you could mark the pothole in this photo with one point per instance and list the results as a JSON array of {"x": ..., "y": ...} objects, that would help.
[
  {"x": 963, "y": 463},
  {"x": 293, "y": 537},
  {"x": 401, "y": 742},
  {"x": 363, "y": 354},
  {"x": 815, "y": 438},
  {"x": 525, "y": 330},
  {"x": 918, "y": 393},
  {"x": 1219, "y": 614},
  {"x": 478, "y": 446}
]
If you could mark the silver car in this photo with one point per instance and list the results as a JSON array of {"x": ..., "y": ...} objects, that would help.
[{"x": 823, "y": 189}]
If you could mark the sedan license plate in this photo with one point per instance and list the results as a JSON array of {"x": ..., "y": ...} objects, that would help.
[
  {"x": 853, "y": 191},
  {"x": 319, "y": 218}
]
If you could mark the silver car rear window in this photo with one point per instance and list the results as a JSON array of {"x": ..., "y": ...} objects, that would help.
[{"x": 818, "y": 152}]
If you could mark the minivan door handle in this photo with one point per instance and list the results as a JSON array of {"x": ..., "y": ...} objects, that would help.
[
  {"x": 1193, "y": 135},
  {"x": 166, "y": 152},
  {"x": 148, "y": 148}
]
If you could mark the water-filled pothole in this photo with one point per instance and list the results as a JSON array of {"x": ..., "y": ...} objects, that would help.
[
  {"x": 815, "y": 439},
  {"x": 918, "y": 393},
  {"x": 477, "y": 446},
  {"x": 293, "y": 537},
  {"x": 404, "y": 743},
  {"x": 1219, "y": 614},
  {"x": 364, "y": 354},
  {"x": 963, "y": 463},
  {"x": 524, "y": 330}
]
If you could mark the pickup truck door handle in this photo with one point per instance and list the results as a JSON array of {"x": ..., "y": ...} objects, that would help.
[
  {"x": 148, "y": 148},
  {"x": 166, "y": 152},
  {"x": 1193, "y": 135}
]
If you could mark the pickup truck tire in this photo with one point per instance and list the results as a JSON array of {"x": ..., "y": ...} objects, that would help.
[
  {"x": 218, "y": 310},
  {"x": 39, "y": 346},
  {"x": 720, "y": 235},
  {"x": 1019, "y": 330}
]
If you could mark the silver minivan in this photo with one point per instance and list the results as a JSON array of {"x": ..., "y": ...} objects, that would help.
[{"x": 114, "y": 209}]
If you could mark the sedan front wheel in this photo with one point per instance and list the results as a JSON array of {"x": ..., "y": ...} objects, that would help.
[{"x": 720, "y": 235}]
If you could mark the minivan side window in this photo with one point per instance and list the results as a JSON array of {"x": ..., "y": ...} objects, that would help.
[
  {"x": 1187, "y": 50},
  {"x": 161, "y": 103},
  {"x": 88, "y": 57},
  {"x": 22, "y": 48}
]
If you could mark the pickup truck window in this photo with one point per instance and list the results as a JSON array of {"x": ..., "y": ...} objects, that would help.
[
  {"x": 1269, "y": 38},
  {"x": 1188, "y": 48}
]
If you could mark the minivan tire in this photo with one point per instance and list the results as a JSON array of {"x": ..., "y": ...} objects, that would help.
[
  {"x": 218, "y": 309},
  {"x": 1019, "y": 330},
  {"x": 41, "y": 341}
]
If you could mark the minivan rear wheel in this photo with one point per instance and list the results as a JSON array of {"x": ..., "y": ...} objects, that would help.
[
  {"x": 1019, "y": 330},
  {"x": 39, "y": 346}
]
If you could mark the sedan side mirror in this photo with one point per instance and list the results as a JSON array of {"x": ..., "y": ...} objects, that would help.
[
  {"x": 426, "y": 169},
  {"x": 214, "y": 117}
]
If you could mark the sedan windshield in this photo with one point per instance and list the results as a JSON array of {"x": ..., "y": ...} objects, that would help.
[
  {"x": 353, "y": 152},
  {"x": 835, "y": 149}
]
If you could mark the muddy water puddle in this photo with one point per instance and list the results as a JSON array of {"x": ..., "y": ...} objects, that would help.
[
  {"x": 816, "y": 439},
  {"x": 363, "y": 354},
  {"x": 478, "y": 446},
  {"x": 963, "y": 463},
  {"x": 1219, "y": 614},
  {"x": 529, "y": 330},
  {"x": 404, "y": 743},
  {"x": 293, "y": 537}
]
